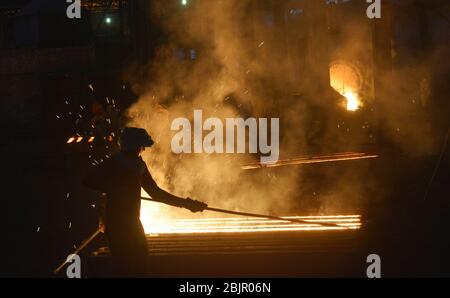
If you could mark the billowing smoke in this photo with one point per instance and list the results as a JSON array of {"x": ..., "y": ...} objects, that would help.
[
  {"x": 240, "y": 69},
  {"x": 226, "y": 80}
]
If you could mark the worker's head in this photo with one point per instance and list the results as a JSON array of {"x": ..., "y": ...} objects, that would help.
[{"x": 135, "y": 140}]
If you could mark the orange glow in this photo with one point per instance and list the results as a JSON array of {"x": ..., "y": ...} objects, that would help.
[
  {"x": 246, "y": 225},
  {"x": 345, "y": 79},
  {"x": 353, "y": 103},
  {"x": 70, "y": 140},
  {"x": 91, "y": 139},
  {"x": 79, "y": 139}
]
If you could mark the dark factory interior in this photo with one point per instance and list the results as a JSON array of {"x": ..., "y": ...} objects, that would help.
[{"x": 364, "y": 119}]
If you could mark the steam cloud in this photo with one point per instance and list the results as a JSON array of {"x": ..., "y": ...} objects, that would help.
[{"x": 239, "y": 71}]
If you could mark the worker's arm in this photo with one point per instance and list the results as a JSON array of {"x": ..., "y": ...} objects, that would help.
[{"x": 160, "y": 195}]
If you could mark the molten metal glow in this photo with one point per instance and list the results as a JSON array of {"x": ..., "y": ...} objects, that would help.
[
  {"x": 346, "y": 79},
  {"x": 353, "y": 103},
  {"x": 246, "y": 225}
]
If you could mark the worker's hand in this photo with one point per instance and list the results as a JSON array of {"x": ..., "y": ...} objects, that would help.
[{"x": 195, "y": 206}]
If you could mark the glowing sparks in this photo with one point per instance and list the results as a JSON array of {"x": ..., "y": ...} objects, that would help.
[{"x": 247, "y": 225}]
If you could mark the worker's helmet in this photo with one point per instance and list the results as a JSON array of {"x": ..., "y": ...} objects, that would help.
[{"x": 133, "y": 138}]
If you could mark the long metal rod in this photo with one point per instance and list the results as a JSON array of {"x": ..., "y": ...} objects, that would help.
[
  {"x": 78, "y": 250},
  {"x": 310, "y": 160},
  {"x": 272, "y": 217},
  {"x": 327, "y": 224}
]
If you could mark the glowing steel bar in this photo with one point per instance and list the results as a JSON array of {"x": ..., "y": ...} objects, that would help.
[
  {"x": 241, "y": 218},
  {"x": 247, "y": 214},
  {"x": 284, "y": 217},
  {"x": 311, "y": 160},
  {"x": 207, "y": 221},
  {"x": 239, "y": 225},
  {"x": 250, "y": 223}
]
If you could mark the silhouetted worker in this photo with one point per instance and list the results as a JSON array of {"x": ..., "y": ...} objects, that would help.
[{"x": 121, "y": 178}]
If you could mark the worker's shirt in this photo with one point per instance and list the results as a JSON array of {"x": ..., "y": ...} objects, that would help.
[{"x": 121, "y": 177}]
